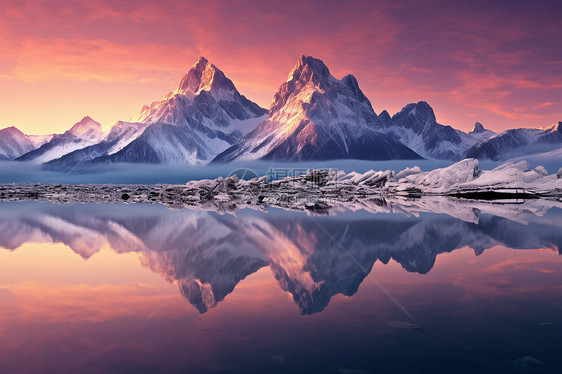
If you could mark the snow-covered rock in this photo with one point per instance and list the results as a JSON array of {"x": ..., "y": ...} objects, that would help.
[
  {"x": 406, "y": 172},
  {"x": 462, "y": 178},
  {"x": 84, "y": 133},
  {"x": 14, "y": 143},
  {"x": 208, "y": 111},
  {"x": 465, "y": 177},
  {"x": 518, "y": 142},
  {"x": 440, "y": 180},
  {"x": 315, "y": 116},
  {"x": 120, "y": 135},
  {"x": 416, "y": 127}
]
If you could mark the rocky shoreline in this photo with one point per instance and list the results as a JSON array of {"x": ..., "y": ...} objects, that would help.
[{"x": 317, "y": 190}]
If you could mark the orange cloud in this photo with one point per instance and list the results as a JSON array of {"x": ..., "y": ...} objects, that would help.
[
  {"x": 466, "y": 60},
  {"x": 543, "y": 105},
  {"x": 82, "y": 60}
]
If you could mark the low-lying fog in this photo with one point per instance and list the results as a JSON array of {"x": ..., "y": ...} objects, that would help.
[{"x": 21, "y": 172}]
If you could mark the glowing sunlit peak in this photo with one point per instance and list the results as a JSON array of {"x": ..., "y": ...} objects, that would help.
[
  {"x": 554, "y": 127},
  {"x": 478, "y": 127},
  {"x": 204, "y": 76},
  {"x": 307, "y": 66},
  {"x": 86, "y": 126}
]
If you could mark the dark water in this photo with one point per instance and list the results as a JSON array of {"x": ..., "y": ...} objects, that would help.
[{"x": 142, "y": 289}]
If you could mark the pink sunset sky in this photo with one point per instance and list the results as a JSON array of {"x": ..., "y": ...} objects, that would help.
[{"x": 497, "y": 62}]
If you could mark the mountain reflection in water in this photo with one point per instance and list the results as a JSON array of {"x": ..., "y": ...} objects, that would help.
[{"x": 312, "y": 258}]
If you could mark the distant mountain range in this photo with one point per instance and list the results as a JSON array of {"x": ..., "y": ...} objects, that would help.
[
  {"x": 313, "y": 116},
  {"x": 84, "y": 133},
  {"x": 14, "y": 143}
]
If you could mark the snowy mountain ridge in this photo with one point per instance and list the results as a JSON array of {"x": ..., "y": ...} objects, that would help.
[
  {"x": 416, "y": 126},
  {"x": 84, "y": 133},
  {"x": 316, "y": 116},
  {"x": 191, "y": 124},
  {"x": 313, "y": 116},
  {"x": 209, "y": 115},
  {"x": 14, "y": 143},
  {"x": 515, "y": 143}
]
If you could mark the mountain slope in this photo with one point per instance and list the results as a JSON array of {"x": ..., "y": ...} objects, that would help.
[
  {"x": 416, "y": 127},
  {"x": 208, "y": 111},
  {"x": 84, "y": 133},
  {"x": 162, "y": 143},
  {"x": 203, "y": 116},
  {"x": 518, "y": 142},
  {"x": 121, "y": 135},
  {"x": 14, "y": 143},
  {"x": 315, "y": 116},
  {"x": 480, "y": 133}
]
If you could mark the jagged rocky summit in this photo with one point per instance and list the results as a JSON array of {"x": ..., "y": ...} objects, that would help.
[
  {"x": 315, "y": 116},
  {"x": 203, "y": 116},
  {"x": 14, "y": 143},
  {"x": 84, "y": 133}
]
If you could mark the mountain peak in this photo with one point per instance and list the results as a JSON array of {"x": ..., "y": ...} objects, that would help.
[
  {"x": 85, "y": 127},
  {"x": 315, "y": 116},
  {"x": 308, "y": 67},
  {"x": 204, "y": 76},
  {"x": 351, "y": 82},
  {"x": 478, "y": 128},
  {"x": 12, "y": 130},
  {"x": 202, "y": 61},
  {"x": 552, "y": 128},
  {"x": 385, "y": 117},
  {"x": 421, "y": 110}
]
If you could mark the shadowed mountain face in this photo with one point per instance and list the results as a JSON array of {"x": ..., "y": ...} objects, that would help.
[
  {"x": 84, "y": 133},
  {"x": 202, "y": 117},
  {"x": 416, "y": 127},
  {"x": 518, "y": 142},
  {"x": 312, "y": 258},
  {"x": 14, "y": 143},
  {"x": 315, "y": 116}
]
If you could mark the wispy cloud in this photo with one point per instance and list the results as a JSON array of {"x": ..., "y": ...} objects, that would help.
[{"x": 483, "y": 61}]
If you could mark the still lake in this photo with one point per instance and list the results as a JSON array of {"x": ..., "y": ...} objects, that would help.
[{"x": 99, "y": 288}]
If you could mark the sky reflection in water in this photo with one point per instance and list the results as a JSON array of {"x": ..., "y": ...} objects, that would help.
[{"x": 211, "y": 294}]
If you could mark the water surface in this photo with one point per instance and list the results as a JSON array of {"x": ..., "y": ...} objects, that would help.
[{"x": 140, "y": 288}]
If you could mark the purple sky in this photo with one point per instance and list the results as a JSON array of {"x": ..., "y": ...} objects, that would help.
[{"x": 497, "y": 62}]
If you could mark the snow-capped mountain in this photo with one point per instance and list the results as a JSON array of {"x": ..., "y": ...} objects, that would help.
[
  {"x": 480, "y": 132},
  {"x": 416, "y": 127},
  {"x": 202, "y": 117},
  {"x": 120, "y": 135},
  {"x": 315, "y": 116},
  {"x": 84, "y": 133},
  {"x": 162, "y": 143},
  {"x": 14, "y": 143},
  {"x": 518, "y": 142}
]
